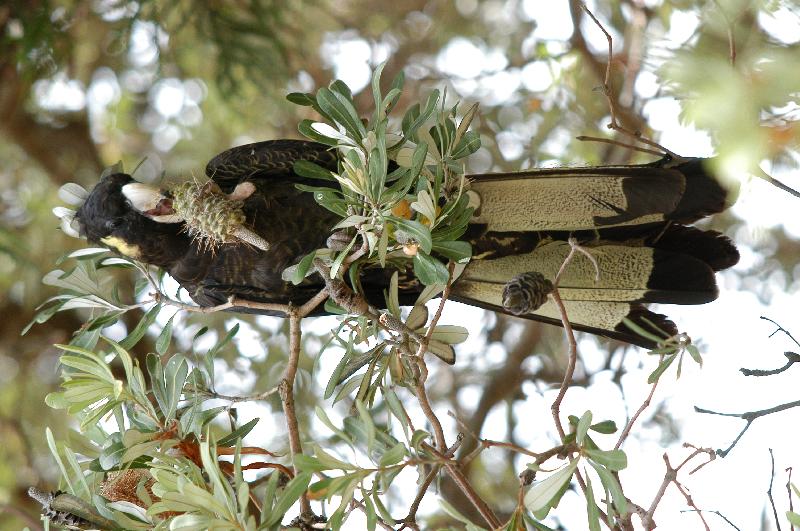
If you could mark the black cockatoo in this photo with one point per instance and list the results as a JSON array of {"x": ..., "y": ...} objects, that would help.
[{"x": 632, "y": 220}]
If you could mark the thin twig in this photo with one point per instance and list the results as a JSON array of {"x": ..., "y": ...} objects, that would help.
[
  {"x": 422, "y": 375},
  {"x": 250, "y": 398},
  {"x": 599, "y": 139},
  {"x": 627, "y": 430},
  {"x": 555, "y": 408},
  {"x": 572, "y": 361},
  {"x": 780, "y": 329},
  {"x": 615, "y": 124},
  {"x": 749, "y": 417},
  {"x": 287, "y": 399},
  {"x": 769, "y": 490},
  {"x": 671, "y": 476},
  {"x": 411, "y": 518}
]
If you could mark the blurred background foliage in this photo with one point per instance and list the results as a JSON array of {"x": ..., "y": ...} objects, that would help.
[{"x": 169, "y": 84}]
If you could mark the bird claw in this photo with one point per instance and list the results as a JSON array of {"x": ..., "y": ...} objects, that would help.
[{"x": 242, "y": 191}]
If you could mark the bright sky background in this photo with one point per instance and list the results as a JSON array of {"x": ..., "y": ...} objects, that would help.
[{"x": 732, "y": 334}]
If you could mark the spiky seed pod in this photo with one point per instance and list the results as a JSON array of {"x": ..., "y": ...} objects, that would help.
[
  {"x": 211, "y": 218},
  {"x": 526, "y": 292}
]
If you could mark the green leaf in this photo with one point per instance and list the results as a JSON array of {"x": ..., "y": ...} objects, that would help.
[
  {"x": 605, "y": 427},
  {"x": 141, "y": 328},
  {"x": 291, "y": 493},
  {"x": 418, "y": 437},
  {"x": 414, "y": 230},
  {"x": 56, "y": 400},
  {"x": 614, "y": 460},
  {"x": 337, "y": 263},
  {"x": 612, "y": 485},
  {"x": 456, "y": 251},
  {"x": 175, "y": 374},
  {"x": 592, "y": 511},
  {"x": 414, "y": 118},
  {"x": 450, "y": 334},
  {"x": 663, "y": 366},
  {"x": 583, "y": 427},
  {"x": 366, "y": 420},
  {"x": 330, "y": 462},
  {"x": 467, "y": 146},
  {"x": 443, "y": 351},
  {"x": 340, "y": 108},
  {"x": 394, "y": 455},
  {"x": 424, "y": 205},
  {"x": 307, "y": 131},
  {"x": 695, "y": 354},
  {"x": 298, "y": 274},
  {"x": 542, "y": 493},
  {"x": 301, "y": 98},
  {"x": 89, "y": 367},
  {"x": 380, "y": 111},
  {"x": 641, "y": 331},
  {"x": 307, "y": 463},
  {"x": 793, "y": 518},
  {"x": 164, "y": 338},
  {"x": 323, "y": 417},
  {"x": 429, "y": 270},
  {"x": 341, "y": 87},
  {"x": 238, "y": 433},
  {"x": 312, "y": 170}
]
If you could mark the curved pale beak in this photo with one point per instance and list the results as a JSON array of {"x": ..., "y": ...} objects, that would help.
[{"x": 149, "y": 201}]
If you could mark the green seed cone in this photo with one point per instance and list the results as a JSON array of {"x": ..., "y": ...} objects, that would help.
[{"x": 211, "y": 218}]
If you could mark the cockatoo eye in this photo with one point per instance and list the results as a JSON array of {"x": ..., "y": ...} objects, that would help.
[{"x": 113, "y": 224}]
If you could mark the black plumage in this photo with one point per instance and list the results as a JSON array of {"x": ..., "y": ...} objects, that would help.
[{"x": 630, "y": 218}]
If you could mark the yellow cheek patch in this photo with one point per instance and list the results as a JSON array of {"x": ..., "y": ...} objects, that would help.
[{"x": 123, "y": 247}]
